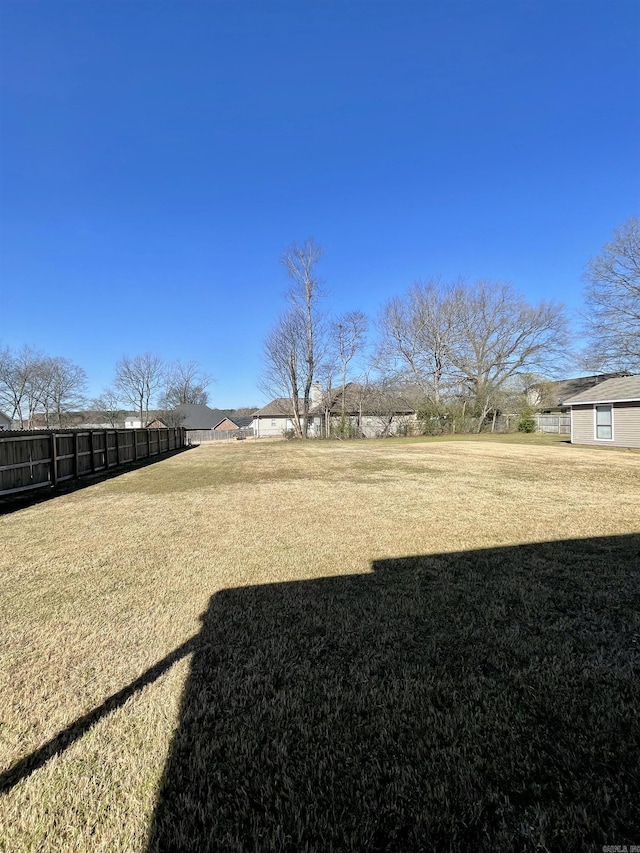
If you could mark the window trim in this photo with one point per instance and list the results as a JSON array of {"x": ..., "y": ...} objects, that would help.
[{"x": 597, "y": 406}]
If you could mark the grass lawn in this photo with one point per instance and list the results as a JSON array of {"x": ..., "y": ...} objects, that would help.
[{"x": 378, "y": 645}]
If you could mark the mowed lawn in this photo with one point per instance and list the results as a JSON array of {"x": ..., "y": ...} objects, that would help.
[{"x": 377, "y": 645}]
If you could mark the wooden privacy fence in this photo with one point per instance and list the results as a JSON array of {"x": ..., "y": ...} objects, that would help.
[
  {"x": 198, "y": 436},
  {"x": 30, "y": 459},
  {"x": 560, "y": 424}
]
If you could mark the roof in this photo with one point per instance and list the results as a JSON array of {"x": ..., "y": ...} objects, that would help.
[
  {"x": 626, "y": 388},
  {"x": 369, "y": 400},
  {"x": 556, "y": 393},
  {"x": 197, "y": 416},
  {"x": 240, "y": 422},
  {"x": 280, "y": 407}
]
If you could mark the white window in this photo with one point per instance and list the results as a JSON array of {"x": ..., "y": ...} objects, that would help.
[
  {"x": 273, "y": 421},
  {"x": 604, "y": 422}
]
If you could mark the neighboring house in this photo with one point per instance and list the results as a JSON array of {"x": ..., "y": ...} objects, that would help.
[
  {"x": 196, "y": 416},
  {"x": 274, "y": 419},
  {"x": 235, "y": 423},
  {"x": 549, "y": 397},
  {"x": 156, "y": 423},
  {"x": 201, "y": 422},
  {"x": 5, "y": 421},
  {"x": 607, "y": 414},
  {"x": 367, "y": 413}
]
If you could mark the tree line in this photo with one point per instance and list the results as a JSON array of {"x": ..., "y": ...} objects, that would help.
[
  {"x": 457, "y": 349},
  {"x": 33, "y": 383},
  {"x": 452, "y": 349}
]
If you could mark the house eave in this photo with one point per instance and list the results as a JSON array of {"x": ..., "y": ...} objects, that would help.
[{"x": 604, "y": 402}]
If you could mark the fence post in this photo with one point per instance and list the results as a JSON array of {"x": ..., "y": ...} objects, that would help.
[
  {"x": 135, "y": 444},
  {"x": 92, "y": 452},
  {"x": 54, "y": 460},
  {"x": 76, "y": 466}
]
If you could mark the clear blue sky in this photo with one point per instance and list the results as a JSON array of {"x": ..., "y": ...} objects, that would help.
[{"x": 157, "y": 158}]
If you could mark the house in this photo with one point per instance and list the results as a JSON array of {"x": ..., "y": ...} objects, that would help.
[
  {"x": 549, "y": 397},
  {"x": 5, "y": 421},
  {"x": 274, "y": 419},
  {"x": 132, "y": 422},
  {"x": 196, "y": 416},
  {"x": 368, "y": 413},
  {"x": 234, "y": 423},
  {"x": 607, "y": 414},
  {"x": 365, "y": 412}
]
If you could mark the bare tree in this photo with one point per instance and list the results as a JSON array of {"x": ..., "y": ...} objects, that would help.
[
  {"x": 284, "y": 355},
  {"x": 138, "y": 379},
  {"x": 417, "y": 338},
  {"x": 109, "y": 405},
  {"x": 293, "y": 348},
  {"x": 466, "y": 342},
  {"x": 23, "y": 383},
  {"x": 186, "y": 383},
  {"x": 612, "y": 322},
  {"x": 347, "y": 340},
  {"x": 498, "y": 335},
  {"x": 64, "y": 384}
]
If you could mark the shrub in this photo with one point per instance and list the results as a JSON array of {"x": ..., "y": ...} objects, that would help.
[{"x": 527, "y": 422}]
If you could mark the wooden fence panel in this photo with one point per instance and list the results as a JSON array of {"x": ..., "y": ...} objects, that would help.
[
  {"x": 558, "y": 424},
  {"x": 25, "y": 464},
  {"x": 84, "y": 453},
  {"x": 65, "y": 456},
  {"x": 37, "y": 458}
]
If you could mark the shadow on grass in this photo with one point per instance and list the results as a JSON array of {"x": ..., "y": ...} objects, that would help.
[
  {"x": 480, "y": 700},
  {"x": 13, "y": 502},
  {"x": 483, "y": 700}
]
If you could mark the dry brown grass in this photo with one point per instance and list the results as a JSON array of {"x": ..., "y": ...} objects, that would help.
[{"x": 99, "y": 584}]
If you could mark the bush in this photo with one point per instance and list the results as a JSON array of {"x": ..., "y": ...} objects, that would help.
[{"x": 527, "y": 422}]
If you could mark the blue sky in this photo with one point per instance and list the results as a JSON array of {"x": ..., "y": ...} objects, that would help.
[{"x": 156, "y": 158}]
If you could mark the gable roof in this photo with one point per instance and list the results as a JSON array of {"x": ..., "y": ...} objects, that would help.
[
  {"x": 369, "y": 400},
  {"x": 278, "y": 408},
  {"x": 553, "y": 394},
  {"x": 196, "y": 416},
  {"x": 241, "y": 422},
  {"x": 570, "y": 387},
  {"x": 619, "y": 390}
]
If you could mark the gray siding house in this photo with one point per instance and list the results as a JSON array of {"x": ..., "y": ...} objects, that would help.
[{"x": 607, "y": 415}]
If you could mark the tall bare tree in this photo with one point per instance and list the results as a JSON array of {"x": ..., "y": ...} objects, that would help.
[
  {"x": 416, "y": 340},
  {"x": 186, "y": 383},
  {"x": 498, "y": 335},
  {"x": 347, "y": 339},
  {"x": 612, "y": 321},
  {"x": 467, "y": 341},
  {"x": 284, "y": 357},
  {"x": 65, "y": 385},
  {"x": 23, "y": 383},
  {"x": 293, "y": 347},
  {"x": 138, "y": 380}
]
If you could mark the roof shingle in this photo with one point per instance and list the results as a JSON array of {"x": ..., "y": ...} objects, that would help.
[{"x": 610, "y": 391}]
